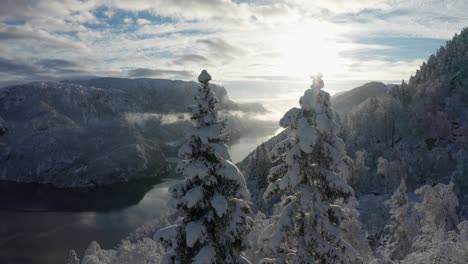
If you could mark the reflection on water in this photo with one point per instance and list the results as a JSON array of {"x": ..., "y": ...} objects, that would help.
[
  {"x": 43, "y": 230},
  {"x": 39, "y": 224},
  {"x": 36, "y": 197},
  {"x": 242, "y": 147}
]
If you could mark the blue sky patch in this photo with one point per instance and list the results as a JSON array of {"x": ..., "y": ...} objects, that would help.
[
  {"x": 14, "y": 22},
  {"x": 400, "y": 48}
]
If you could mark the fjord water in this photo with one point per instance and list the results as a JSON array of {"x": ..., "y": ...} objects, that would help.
[
  {"x": 40, "y": 224},
  {"x": 44, "y": 224}
]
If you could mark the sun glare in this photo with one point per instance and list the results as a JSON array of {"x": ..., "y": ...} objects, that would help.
[{"x": 310, "y": 49}]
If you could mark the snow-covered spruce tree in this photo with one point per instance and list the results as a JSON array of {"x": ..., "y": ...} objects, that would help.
[
  {"x": 213, "y": 201},
  {"x": 403, "y": 227},
  {"x": 308, "y": 227}
]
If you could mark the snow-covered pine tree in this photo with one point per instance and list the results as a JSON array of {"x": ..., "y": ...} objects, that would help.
[
  {"x": 213, "y": 200},
  {"x": 308, "y": 227}
]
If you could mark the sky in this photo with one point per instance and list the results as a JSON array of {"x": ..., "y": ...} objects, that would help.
[{"x": 257, "y": 49}]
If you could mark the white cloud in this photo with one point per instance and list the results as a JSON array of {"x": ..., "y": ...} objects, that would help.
[
  {"x": 164, "y": 119},
  {"x": 142, "y": 21},
  {"x": 128, "y": 20}
]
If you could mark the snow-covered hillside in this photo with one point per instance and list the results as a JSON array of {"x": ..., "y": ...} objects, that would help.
[
  {"x": 100, "y": 131},
  {"x": 343, "y": 102}
]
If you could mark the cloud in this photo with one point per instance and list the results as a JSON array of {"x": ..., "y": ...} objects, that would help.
[
  {"x": 13, "y": 34},
  {"x": 182, "y": 9},
  {"x": 219, "y": 48},
  {"x": 142, "y": 21},
  {"x": 17, "y": 68},
  {"x": 12, "y": 8},
  {"x": 271, "y": 12},
  {"x": 270, "y": 116},
  {"x": 191, "y": 59},
  {"x": 25, "y": 35},
  {"x": 239, "y": 40},
  {"x": 128, "y": 20},
  {"x": 57, "y": 63},
  {"x": 144, "y": 72},
  {"x": 16, "y": 71},
  {"x": 59, "y": 67},
  {"x": 269, "y": 77},
  {"x": 164, "y": 119},
  {"x": 218, "y": 45},
  {"x": 394, "y": 70}
]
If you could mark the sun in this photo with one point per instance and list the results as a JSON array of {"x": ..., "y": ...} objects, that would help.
[{"x": 309, "y": 49}]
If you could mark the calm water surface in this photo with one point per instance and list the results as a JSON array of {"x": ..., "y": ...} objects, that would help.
[
  {"x": 242, "y": 147},
  {"x": 42, "y": 231},
  {"x": 40, "y": 224}
]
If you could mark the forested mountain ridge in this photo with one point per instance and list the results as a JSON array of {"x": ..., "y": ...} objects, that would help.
[
  {"x": 441, "y": 86},
  {"x": 419, "y": 130},
  {"x": 180, "y": 95}
]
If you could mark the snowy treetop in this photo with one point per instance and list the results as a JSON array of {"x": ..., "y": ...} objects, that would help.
[
  {"x": 317, "y": 81},
  {"x": 204, "y": 77}
]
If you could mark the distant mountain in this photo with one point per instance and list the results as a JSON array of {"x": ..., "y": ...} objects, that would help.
[
  {"x": 155, "y": 96},
  {"x": 344, "y": 101},
  {"x": 98, "y": 131}
]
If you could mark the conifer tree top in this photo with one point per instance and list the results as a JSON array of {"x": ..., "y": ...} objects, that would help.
[
  {"x": 204, "y": 77},
  {"x": 317, "y": 81}
]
